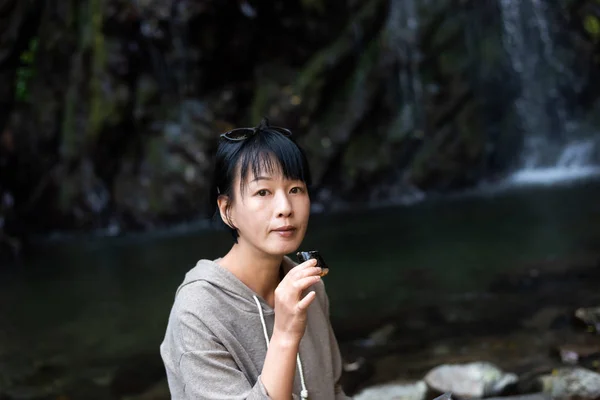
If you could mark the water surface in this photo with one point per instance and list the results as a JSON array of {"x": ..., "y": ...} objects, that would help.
[{"x": 86, "y": 301}]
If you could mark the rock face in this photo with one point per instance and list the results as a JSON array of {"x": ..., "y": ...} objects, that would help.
[{"x": 110, "y": 109}]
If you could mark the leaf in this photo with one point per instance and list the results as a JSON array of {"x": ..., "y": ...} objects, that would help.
[{"x": 592, "y": 26}]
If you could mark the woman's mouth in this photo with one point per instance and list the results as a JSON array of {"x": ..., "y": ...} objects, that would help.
[{"x": 285, "y": 231}]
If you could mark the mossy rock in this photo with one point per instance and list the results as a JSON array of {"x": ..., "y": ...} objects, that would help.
[{"x": 452, "y": 158}]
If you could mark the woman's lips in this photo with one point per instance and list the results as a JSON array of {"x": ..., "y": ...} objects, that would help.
[{"x": 286, "y": 232}]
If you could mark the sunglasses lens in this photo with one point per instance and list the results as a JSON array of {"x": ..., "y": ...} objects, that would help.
[
  {"x": 245, "y": 133},
  {"x": 283, "y": 131},
  {"x": 238, "y": 134}
]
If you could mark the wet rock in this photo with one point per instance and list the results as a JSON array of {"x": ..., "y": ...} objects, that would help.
[
  {"x": 166, "y": 185},
  {"x": 571, "y": 384},
  {"x": 394, "y": 391},
  {"x": 356, "y": 372},
  {"x": 579, "y": 353},
  {"x": 549, "y": 318},
  {"x": 534, "y": 396},
  {"x": 471, "y": 380},
  {"x": 590, "y": 317}
]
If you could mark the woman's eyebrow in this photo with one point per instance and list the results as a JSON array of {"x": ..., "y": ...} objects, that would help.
[{"x": 260, "y": 178}]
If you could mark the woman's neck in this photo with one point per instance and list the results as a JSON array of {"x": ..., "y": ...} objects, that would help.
[{"x": 258, "y": 271}]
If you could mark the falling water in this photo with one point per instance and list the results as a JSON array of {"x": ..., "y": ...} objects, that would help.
[
  {"x": 403, "y": 28},
  {"x": 402, "y": 33},
  {"x": 553, "y": 147}
]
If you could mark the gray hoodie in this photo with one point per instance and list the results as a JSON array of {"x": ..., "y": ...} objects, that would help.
[{"x": 216, "y": 340}]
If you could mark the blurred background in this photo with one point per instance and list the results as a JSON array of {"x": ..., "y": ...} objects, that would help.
[{"x": 455, "y": 149}]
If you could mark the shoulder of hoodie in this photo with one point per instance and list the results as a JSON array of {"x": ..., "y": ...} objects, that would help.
[
  {"x": 191, "y": 293},
  {"x": 192, "y": 290}
]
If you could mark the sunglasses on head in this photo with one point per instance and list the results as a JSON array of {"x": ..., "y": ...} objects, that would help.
[{"x": 235, "y": 135}]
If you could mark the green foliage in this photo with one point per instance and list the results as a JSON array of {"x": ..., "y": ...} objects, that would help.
[
  {"x": 591, "y": 23},
  {"x": 97, "y": 100},
  {"x": 26, "y": 71},
  {"x": 317, "y": 5}
]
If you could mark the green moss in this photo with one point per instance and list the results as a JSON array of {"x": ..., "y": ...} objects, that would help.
[
  {"x": 316, "y": 5},
  {"x": 364, "y": 154},
  {"x": 312, "y": 77},
  {"x": 591, "y": 24},
  {"x": 352, "y": 96},
  {"x": 26, "y": 71}
]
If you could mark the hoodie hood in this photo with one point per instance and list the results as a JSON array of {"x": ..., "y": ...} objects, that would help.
[{"x": 240, "y": 295}]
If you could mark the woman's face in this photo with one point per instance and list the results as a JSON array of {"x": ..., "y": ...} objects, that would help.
[{"x": 271, "y": 214}]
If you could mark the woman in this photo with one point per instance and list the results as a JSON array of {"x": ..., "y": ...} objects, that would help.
[{"x": 253, "y": 324}]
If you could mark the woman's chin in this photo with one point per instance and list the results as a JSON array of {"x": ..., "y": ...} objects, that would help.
[{"x": 285, "y": 248}]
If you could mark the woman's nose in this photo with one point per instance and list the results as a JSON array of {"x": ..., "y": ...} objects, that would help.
[{"x": 284, "y": 205}]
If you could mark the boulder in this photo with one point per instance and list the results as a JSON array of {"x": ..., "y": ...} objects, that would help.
[
  {"x": 469, "y": 381},
  {"x": 571, "y": 384},
  {"x": 394, "y": 391}
]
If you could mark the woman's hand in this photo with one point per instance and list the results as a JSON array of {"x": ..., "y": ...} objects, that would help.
[{"x": 290, "y": 306}]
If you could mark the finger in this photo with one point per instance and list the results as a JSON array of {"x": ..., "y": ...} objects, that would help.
[
  {"x": 301, "y": 267},
  {"x": 311, "y": 271},
  {"x": 304, "y": 283},
  {"x": 305, "y": 302},
  {"x": 307, "y": 264}
]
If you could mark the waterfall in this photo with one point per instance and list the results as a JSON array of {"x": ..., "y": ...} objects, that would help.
[
  {"x": 555, "y": 147},
  {"x": 403, "y": 28}
]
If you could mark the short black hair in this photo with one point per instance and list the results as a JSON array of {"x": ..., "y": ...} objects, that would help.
[{"x": 267, "y": 149}]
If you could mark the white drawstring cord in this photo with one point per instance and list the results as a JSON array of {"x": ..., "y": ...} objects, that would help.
[{"x": 304, "y": 392}]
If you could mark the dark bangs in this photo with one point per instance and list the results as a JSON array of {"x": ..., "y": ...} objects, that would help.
[
  {"x": 270, "y": 152},
  {"x": 267, "y": 151}
]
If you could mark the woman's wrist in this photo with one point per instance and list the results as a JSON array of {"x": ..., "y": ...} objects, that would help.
[
  {"x": 285, "y": 341},
  {"x": 280, "y": 365}
]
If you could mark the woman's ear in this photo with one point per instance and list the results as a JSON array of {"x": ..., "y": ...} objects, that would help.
[{"x": 224, "y": 207}]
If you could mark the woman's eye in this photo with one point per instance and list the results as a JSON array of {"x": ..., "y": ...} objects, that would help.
[
  {"x": 262, "y": 192},
  {"x": 296, "y": 190}
]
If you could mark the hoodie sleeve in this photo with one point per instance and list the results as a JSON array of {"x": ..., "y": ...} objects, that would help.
[{"x": 208, "y": 371}]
